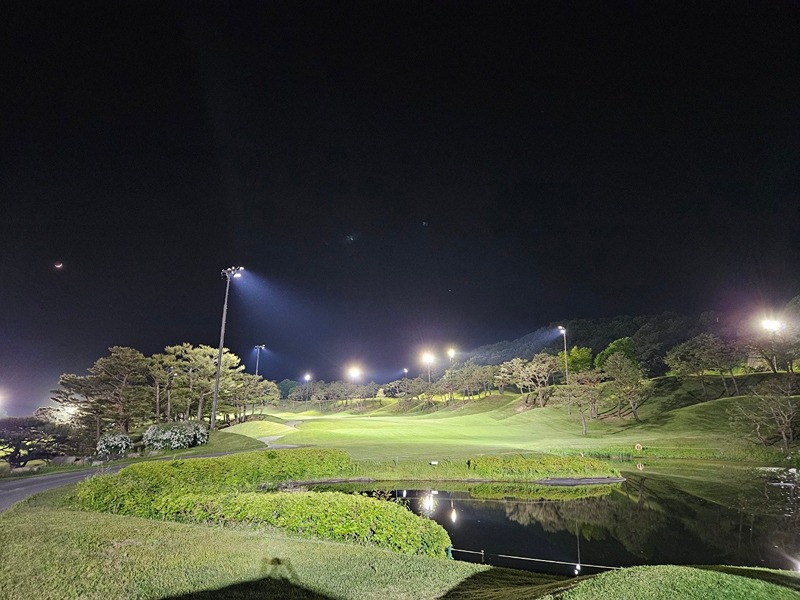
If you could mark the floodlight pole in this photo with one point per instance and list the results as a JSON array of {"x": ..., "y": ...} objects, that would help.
[
  {"x": 566, "y": 363},
  {"x": 228, "y": 274},
  {"x": 259, "y": 348}
]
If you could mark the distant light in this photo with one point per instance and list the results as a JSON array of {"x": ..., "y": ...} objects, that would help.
[
  {"x": 562, "y": 330},
  {"x": 405, "y": 371},
  {"x": 451, "y": 353},
  {"x": 307, "y": 377},
  {"x": 771, "y": 325},
  {"x": 58, "y": 265},
  {"x": 428, "y": 358},
  {"x": 237, "y": 274},
  {"x": 354, "y": 372}
]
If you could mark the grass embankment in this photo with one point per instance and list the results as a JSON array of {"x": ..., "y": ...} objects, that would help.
[{"x": 99, "y": 556}]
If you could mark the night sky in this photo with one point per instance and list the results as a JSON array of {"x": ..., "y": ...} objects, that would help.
[{"x": 393, "y": 175}]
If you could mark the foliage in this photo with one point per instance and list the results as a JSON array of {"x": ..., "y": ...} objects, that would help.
[
  {"x": 182, "y": 434},
  {"x": 623, "y": 345},
  {"x": 205, "y": 490},
  {"x": 520, "y": 467},
  {"x": 235, "y": 472},
  {"x": 772, "y": 415},
  {"x": 627, "y": 382},
  {"x": 111, "y": 444},
  {"x": 578, "y": 359},
  {"x": 494, "y": 491},
  {"x": 23, "y": 439}
]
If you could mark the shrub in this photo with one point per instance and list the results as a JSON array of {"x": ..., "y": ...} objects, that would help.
[
  {"x": 529, "y": 468},
  {"x": 183, "y": 434},
  {"x": 244, "y": 471},
  {"x": 326, "y": 515},
  {"x": 114, "y": 443}
]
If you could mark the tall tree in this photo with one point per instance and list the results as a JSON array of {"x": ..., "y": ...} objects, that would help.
[
  {"x": 23, "y": 439},
  {"x": 624, "y": 345},
  {"x": 773, "y": 412},
  {"x": 120, "y": 377},
  {"x": 627, "y": 382}
]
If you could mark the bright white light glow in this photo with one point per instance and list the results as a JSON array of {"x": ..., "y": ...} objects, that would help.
[
  {"x": 453, "y": 516},
  {"x": 307, "y": 377},
  {"x": 428, "y": 358},
  {"x": 771, "y": 325},
  {"x": 451, "y": 353},
  {"x": 354, "y": 372}
]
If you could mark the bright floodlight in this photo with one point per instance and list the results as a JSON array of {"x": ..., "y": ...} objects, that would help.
[
  {"x": 354, "y": 372},
  {"x": 771, "y": 325},
  {"x": 451, "y": 353},
  {"x": 562, "y": 330},
  {"x": 307, "y": 377},
  {"x": 428, "y": 358}
]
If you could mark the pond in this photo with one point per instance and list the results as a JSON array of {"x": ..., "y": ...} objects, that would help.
[{"x": 669, "y": 514}]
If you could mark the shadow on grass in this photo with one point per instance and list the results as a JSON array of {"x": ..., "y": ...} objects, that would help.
[
  {"x": 784, "y": 578},
  {"x": 278, "y": 583},
  {"x": 502, "y": 584}
]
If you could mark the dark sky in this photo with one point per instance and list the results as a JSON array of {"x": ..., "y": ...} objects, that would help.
[{"x": 393, "y": 175}]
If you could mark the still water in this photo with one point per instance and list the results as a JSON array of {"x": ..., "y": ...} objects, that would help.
[{"x": 672, "y": 514}]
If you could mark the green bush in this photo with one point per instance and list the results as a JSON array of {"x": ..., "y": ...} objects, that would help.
[
  {"x": 236, "y": 472},
  {"x": 183, "y": 434},
  {"x": 327, "y": 515},
  {"x": 529, "y": 468}
]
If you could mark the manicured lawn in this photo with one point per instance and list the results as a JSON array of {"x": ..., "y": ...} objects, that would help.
[
  {"x": 54, "y": 553},
  {"x": 677, "y": 423}
]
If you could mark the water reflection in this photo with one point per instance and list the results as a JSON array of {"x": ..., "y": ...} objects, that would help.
[{"x": 741, "y": 517}]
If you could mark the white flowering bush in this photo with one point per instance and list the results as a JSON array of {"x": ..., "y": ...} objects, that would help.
[
  {"x": 114, "y": 443},
  {"x": 184, "y": 434}
]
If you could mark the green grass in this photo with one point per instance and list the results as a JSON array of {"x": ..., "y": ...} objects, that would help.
[
  {"x": 677, "y": 422},
  {"x": 103, "y": 556}
]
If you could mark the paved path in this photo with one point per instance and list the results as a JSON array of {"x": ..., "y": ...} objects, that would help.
[{"x": 14, "y": 489}]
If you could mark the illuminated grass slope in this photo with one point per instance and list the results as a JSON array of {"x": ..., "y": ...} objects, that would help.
[{"x": 676, "y": 422}]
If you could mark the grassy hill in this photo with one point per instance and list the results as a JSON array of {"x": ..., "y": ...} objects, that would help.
[{"x": 679, "y": 420}]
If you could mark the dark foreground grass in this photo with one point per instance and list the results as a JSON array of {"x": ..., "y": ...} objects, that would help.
[{"x": 49, "y": 552}]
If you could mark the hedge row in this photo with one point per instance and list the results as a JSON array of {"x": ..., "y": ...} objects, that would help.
[
  {"x": 327, "y": 515},
  {"x": 244, "y": 471},
  {"x": 529, "y": 468}
]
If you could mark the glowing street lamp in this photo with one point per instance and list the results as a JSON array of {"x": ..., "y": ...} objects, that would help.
[
  {"x": 451, "y": 353},
  {"x": 259, "y": 348},
  {"x": 773, "y": 326},
  {"x": 307, "y": 377},
  {"x": 563, "y": 331},
  {"x": 428, "y": 358},
  {"x": 228, "y": 274}
]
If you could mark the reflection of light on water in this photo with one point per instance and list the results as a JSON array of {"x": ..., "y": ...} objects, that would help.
[
  {"x": 428, "y": 504},
  {"x": 404, "y": 493},
  {"x": 453, "y": 515}
]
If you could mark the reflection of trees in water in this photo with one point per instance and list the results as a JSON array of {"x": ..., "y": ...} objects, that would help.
[
  {"x": 645, "y": 512},
  {"x": 770, "y": 510}
]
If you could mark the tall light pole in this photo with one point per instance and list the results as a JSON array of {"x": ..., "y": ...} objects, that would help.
[
  {"x": 563, "y": 332},
  {"x": 405, "y": 381},
  {"x": 428, "y": 358},
  {"x": 259, "y": 348},
  {"x": 308, "y": 381},
  {"x": 228, "y": 274},
  {"x": 773, "y": 326},
  {"x": 451, "y": 353},
  {"x": 354, "y": 373}
]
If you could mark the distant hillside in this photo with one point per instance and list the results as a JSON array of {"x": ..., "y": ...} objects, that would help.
[{"x": 653, "y": 335}]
